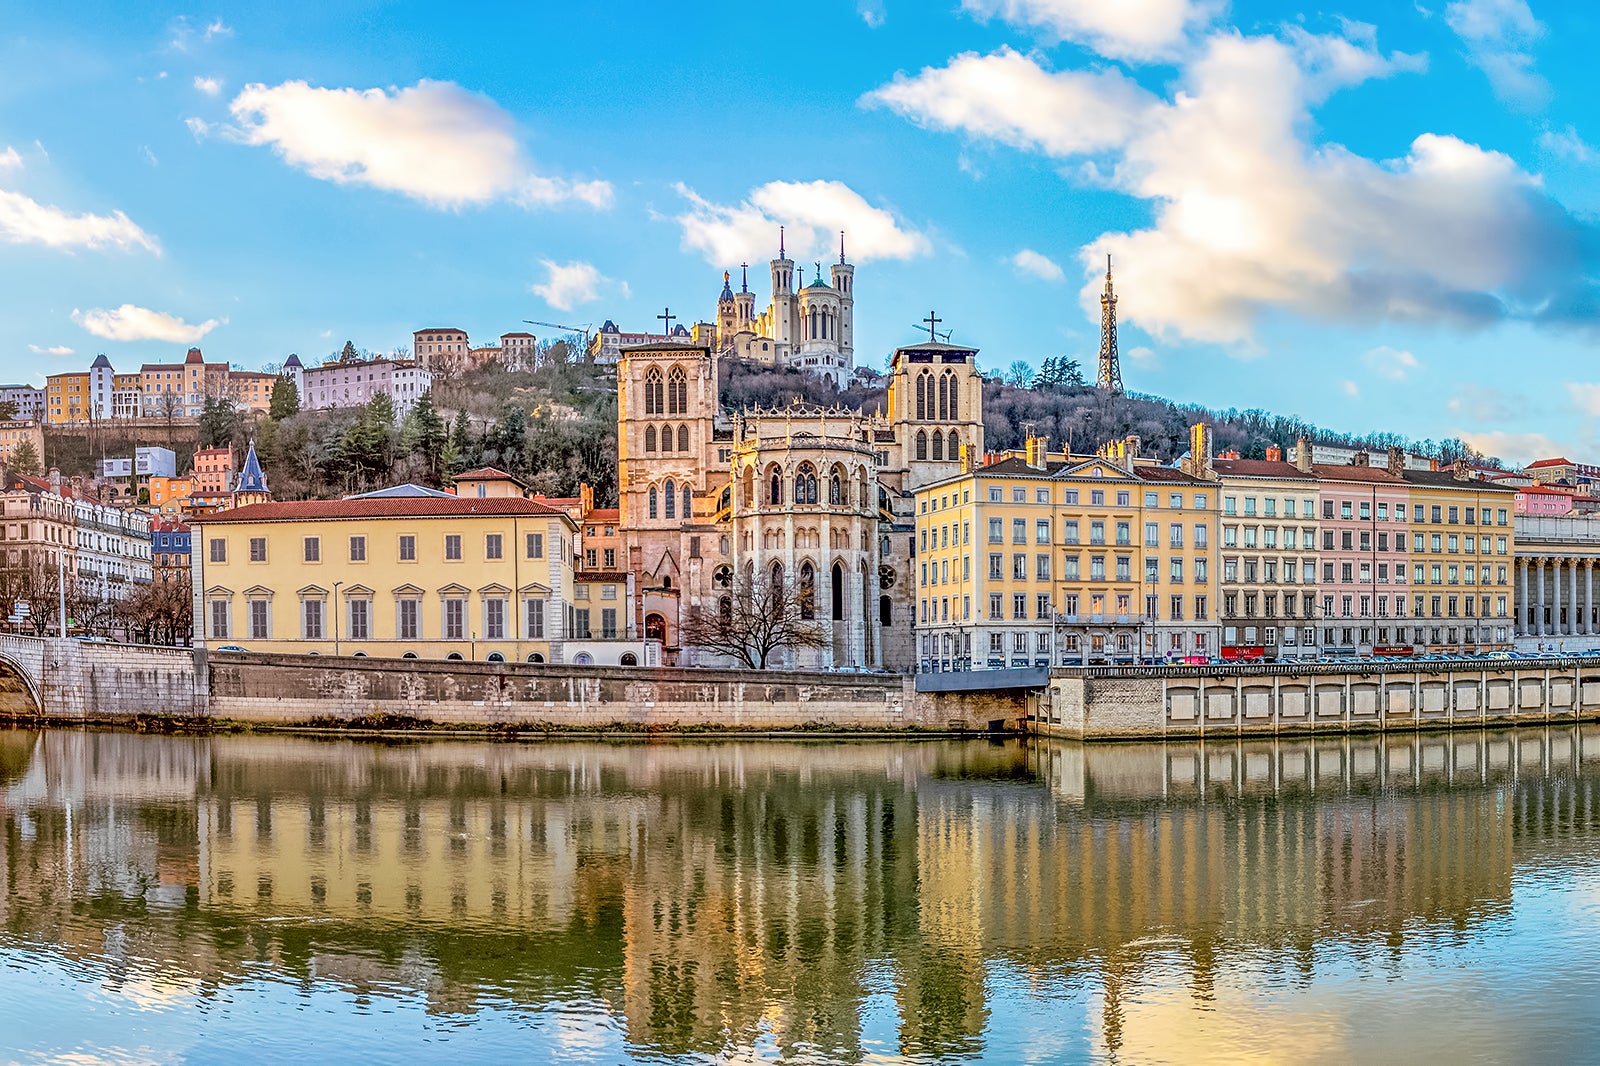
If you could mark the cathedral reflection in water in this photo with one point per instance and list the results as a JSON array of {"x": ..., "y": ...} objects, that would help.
[{"x": 713, "y": 894}]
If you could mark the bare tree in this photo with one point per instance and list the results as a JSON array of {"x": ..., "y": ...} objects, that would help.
[{"x": 753, "y": 620}]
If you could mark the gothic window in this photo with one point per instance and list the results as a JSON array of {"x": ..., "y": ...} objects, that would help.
[
  {"x": 808, "y": 591},
  {"x": 805, "y": 484},
  {"x": 653, "y": 499},
  {"x": 944, "y": 403},
  {"x": 938, "y": 445},
  {"x": 677, "y": 392},
  {"x": 838, "y": 593},
  {"x": 722, "y": 576},
  {"x": 835, "y": 495},
  {"x": 775, "y": 493},
  {"x": 954, "y": 414},
  {"x": 653, "y": 394},
  {"x": 688, "y": 503},
  {"x": 672, "y": 500},
  {"x": 724, "y": 502},
  {"x": 952, "y": 445},
  {"x": 649, "y": 438},
  {"x": 922, "y": 396},
  {"x": 776, "y": 585},
  {"x": 922, "y": 445},
  {"x": 683, "y": 438},
  {"x": 666, "y": 438}
]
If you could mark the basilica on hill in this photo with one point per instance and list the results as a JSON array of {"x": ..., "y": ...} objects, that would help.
[
  {"x": 820, "y": 498},
  {"x": 811, "y": 328}
]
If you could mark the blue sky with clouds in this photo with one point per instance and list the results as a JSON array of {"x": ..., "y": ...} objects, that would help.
[{"x": 1375, "y": 216}]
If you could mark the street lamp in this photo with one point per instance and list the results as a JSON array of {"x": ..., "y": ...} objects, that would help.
[{"x": 336, "y": 585}]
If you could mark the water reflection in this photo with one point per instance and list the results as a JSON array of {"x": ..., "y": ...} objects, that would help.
[{"x": 828, "y": 901}]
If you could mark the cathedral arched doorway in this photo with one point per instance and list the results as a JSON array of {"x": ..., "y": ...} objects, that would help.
[{"x": 655, "y": 628}]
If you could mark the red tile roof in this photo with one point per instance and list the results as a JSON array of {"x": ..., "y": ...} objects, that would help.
[
  {"x": 487, "y": 473},
  {"x": 382, "y": 507},
  {"x": 1550, "y": 462},
  {"x": 1260, "y": 468},
  {"x": 603, "y": 514}
]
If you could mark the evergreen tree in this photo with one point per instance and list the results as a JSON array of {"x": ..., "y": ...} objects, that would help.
[
  {"x": 285, "y": 399},
  {"x": 8, "y": 410},
  {"x": 348, "y": 353},
  {"x": 219, "y": 421},
  {"x": 458, "y": 450},
  {"x": 26, "y": 460},
  {"x": 424, "y": 436}
]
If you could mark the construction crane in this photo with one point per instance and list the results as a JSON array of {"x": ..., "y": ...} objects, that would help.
[{"x": 585, "y": 330}]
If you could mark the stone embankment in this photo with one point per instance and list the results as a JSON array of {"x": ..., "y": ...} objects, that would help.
[{"x": 1142, "y": 703}]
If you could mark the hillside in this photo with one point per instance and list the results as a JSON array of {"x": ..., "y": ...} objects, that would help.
[{"x": 555, "y": 427}]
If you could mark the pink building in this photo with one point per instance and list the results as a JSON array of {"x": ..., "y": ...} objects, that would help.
[
  {"x": 1362, "y": 526},
  {"x": 1538, "y": 500}
]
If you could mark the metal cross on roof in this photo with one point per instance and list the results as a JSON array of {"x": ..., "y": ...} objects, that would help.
[
  {"x": 667, "y": 318},
  {"x": 932, "y": 322}
]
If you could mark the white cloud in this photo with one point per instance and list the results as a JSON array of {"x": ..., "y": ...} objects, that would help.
[
  {"x": 1481, "y": 404},
  {"x": 1351, "y": 389},
  {"x": 1391, "y": 363},
  {"x": 1037, "y": 264},
  {"x": 209, "y": 86},
  {"x": 131, "y": 323},
  {"x": 569, "y": 284},
  {"x": 812, "y": 214},
  {"x": 186, "y": 33},
  {"x": 434, "y": 142},
  {"x": 1517, "y": 448},
  {"x": 1499, "y": 35},
  {"x": 26, "y": 221},
  {"x": 148, "y": 156},
  {"x": 54, "y": 349},
  {"x": 198, "y": 127},
  {"x": 1567, "y": 145},
  {"x": 871, "y": 12},
  {"x": 9, "y": 159},
  {"x": 1250, "y": 215},
  {"x": 1009, "y": 98},
  {"x": 1586, "y": 397},
  {"x": 1124, "y": 29}
]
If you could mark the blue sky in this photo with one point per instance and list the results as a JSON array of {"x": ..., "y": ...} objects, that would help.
[{"x": 1374, "y": 216}]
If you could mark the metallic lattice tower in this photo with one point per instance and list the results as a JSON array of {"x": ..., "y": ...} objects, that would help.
[{"x": 1110, "y": 375}]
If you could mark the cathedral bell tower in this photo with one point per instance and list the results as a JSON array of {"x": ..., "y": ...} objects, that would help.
[
  {"x": 785, "y": 314},
  {"x": 844, "y": 283}
]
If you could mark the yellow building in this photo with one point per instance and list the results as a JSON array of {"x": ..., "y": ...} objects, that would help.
[
  {"x": 66, "y": 398},
  {"x": 1463, "y": 543},
  {"x": 435, "y": 577},
  {"x": 1038, "y": 559},
  {"x": 14, "y": 434}
]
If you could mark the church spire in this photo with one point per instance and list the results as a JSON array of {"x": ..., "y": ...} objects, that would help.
[
  {"x": 1109, "y": 377},
  {"x": 841, "y": 247},
  {"x": 744, "y": 277},
  {"x": 781, "y": 254}
]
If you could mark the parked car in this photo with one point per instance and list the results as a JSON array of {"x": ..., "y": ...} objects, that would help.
[{"x": 230, "y": 647}]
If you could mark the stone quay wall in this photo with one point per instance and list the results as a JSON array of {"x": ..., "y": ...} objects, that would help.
[
  {"x": 297, "y": 690},
  {"x": 74, "y": 680},
  {"x": 1149, "y": 703}
]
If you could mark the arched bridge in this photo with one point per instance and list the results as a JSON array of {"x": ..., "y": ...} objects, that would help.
[{"x": 54, "y": 678}]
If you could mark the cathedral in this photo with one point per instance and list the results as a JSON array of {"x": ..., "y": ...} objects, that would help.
[
  {"x": 819, "y": 499},
  {"x": 812, "y": 328}
]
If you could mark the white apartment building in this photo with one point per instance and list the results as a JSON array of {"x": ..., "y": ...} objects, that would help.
[
  {"x": 113, "y": 549},
  {"x": 29, "y": 401},
  {"x": 353, "y": 384}
]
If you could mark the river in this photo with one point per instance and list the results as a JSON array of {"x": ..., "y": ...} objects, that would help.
[{"x": 274, "y": 898}]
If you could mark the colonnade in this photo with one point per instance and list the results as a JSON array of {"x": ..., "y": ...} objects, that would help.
[{"x": 1556, "y": 596}]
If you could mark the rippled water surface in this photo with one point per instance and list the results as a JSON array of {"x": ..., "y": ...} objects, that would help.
[{"x": 241, "y": 899}]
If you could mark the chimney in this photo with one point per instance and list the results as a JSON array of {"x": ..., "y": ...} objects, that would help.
[
  {"x": 1462, "y": 472},
  {"x": 1397, "y": 461},
  {"x": 1361, "y": 458},
  {"x": 1037, "y": 448},
  {"x": 585, "y": 498},
  {"x": 1302, "y": 454},
  {"x": 1229, "y": 454},
  {"x": 1274, "y": 454},
  {"x": 1433, "y": 464},
  {"x": 55, "y": 480},
  {"x": 1131, "y": 446}
]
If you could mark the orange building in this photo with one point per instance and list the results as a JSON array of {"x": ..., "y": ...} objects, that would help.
[
  {"x": 213, "y": 470},
  {"x": 170, "y": 495}
]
